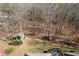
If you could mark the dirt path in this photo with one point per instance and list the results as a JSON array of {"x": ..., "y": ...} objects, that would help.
[
  {"x": 20, "y": 50},
  {"x": 3, "y": 47},
  {"x": 17, "y": 50}
]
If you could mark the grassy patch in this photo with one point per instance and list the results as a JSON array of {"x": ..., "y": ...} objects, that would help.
[
  {"x": 15, "y": 41},
  {"x": 39, "y": 47},
  {"x": 68, "y": 48},
  {"x": 8, "y": 51}
]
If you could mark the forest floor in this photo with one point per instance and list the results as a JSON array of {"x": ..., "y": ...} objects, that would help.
[{"x": 19, "y": 50}]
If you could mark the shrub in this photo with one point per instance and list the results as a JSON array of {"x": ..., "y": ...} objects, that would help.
[
  {"x": 15, "y": 38},
  {"x": 16, "y": 43},
  {"x": 18, "y": 37}
]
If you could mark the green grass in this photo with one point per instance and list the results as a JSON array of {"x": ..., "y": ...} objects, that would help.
[
  {"x": 8, "y": 51},
  {"x": 39, "y": 47},
  {"x": 68, "y": 48}
]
